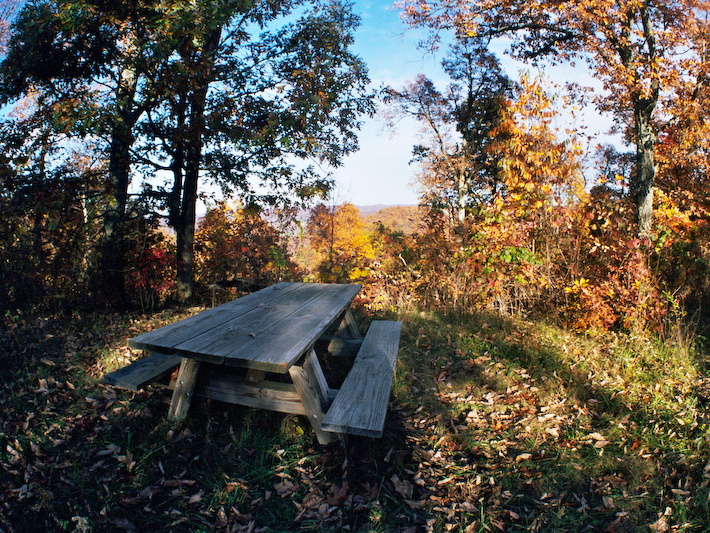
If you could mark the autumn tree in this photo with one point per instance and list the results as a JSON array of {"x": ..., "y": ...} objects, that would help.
[
  {"x": 292, "y": 92},
  {"x": 235, "y": 242},
  {"x": 231, "y": 91},
  {"x": 538, "y": 169},
  {"x": 342, "y": 245},
  {"x": 642, "y": 51},
  {"x": 458, "y": 169},
  {"x": 50, "y": 199},
  {"x": 94, "y": 66}
]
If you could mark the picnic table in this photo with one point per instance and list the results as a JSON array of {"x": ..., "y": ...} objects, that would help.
[{"x": 258, "y": 351}]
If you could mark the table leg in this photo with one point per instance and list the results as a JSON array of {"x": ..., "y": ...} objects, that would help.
[
  {"x": 348, "y": 327},
  {"x": 312, "y": 387},
  {"x": 182, "y": 395},
  {"x": 347, "y": 339}
]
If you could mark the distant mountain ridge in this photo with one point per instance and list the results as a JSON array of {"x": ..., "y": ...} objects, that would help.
[{"x": 366, "y": 210}]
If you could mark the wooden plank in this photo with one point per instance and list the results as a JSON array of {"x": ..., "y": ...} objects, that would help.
[
  {"x": 309, "y": 385},
  {"x": 182, "y": 395},
  {"x": 268, "y": 330},
  {"x": 143, "y": 371},
  {"x": 167, "y": 337},
  {"x": 285, "y": 342},
  {"x": 361, "y": 404},
  {"x": 281, "y": 397},
  {"x": 242, "y": 330}
]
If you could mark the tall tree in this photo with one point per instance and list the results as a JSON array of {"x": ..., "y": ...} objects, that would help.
[
  {"x": 95, "y": 64},
  {"x": 234, "y": 91},
  {"x": 458, "y": 166},
  {"x": 343, "y": 248},
  {"x": 537, "y": 168},
  {"x": 641, "y": 50},
  {"x": 244, "y": 106}
]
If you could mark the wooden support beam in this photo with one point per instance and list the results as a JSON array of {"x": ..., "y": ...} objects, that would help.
[
  {"x": 313, "y": 389},
  {"x": 182, "y": 395},
  {"x": 281, "y": 397},
  {"x": 348, "y": 326},
  {"x": 338, "y": 347},
  {"x": 255, "y": 376},
  {"x": 347, "y": 339}
]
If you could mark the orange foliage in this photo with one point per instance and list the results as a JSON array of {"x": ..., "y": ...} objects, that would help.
[
  {"x": 232, "y": 242},
  {"x": 341, "y": 244}
]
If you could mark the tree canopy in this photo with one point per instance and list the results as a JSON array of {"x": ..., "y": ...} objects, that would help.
[
  {"x": 254, "y": 96},
  {"x": 646, "y": 53}
]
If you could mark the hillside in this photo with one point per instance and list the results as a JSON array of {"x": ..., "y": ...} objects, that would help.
[{"x": 404, "y": 218}]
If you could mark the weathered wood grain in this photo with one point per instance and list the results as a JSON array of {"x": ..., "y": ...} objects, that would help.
[
  {"x": 313, "y": 391},
  {"x": 281, "y": 397},
  {"x": 285, "y": 342},
  {"x": 143, "y": 371},
  {"x": 361, "y": 404},
  {"x": 268, "y": 330},
  {"x": 182, "y": 395},
  {"x": 167, "y": 337}
]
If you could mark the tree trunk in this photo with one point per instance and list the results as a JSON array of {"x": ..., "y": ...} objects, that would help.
[
  {"x": 193, "y": 160},
  {"x": 461, "y": 194},
  {"x": 645, "y": 166},
  {"x": 113, "y": 261}
]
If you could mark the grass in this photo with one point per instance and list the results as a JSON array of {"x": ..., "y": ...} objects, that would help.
[{"x": 495, "y": 424}]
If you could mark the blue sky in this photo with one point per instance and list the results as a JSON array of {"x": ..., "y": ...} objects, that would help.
[{"x": 380, "y": 172}]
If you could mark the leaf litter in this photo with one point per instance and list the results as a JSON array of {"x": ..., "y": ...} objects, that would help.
[{"x": 476, "y": 442}]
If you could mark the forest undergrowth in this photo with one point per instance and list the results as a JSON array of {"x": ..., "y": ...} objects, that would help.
[{"x": 495, "y": 424}]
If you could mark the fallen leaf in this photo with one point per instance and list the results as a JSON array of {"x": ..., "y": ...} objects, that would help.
[
  {"x": 111, "y": 449},
  {"x": 414, "y": 504},
  {"x": 196, "y": 498},
  {"x": 285, "y": 488},
  {"x": 403, "y": 488},
  {"x": 338, "y": 494},
  {"x": 122, "y": 523},
  {"x": 43, "y": 386},
  {"x": 523, "y": 457},
  {"x": 659, "y": 526}
]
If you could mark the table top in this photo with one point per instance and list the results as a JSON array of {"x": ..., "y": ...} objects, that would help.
[{"x": 267, "y": 330}]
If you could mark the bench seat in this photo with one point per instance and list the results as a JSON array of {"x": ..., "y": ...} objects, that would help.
[
  {"x": 143, "y": 371},
  {"x": 360, "y": 405}
]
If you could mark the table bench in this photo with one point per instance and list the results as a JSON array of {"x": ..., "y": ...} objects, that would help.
[
  {"x": 258, "y": 351},
  {"x": 143, "y": 371},
  {"x": 361, "y": 403}
]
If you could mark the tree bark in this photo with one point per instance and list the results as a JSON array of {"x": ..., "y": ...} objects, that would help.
[
  {"x": 113, "y": 261},
  {"x": 645, "y": 167},
  {"x": 197, "y": 100}
]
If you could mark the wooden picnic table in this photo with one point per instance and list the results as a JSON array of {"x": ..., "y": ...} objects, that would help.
[{"x": 258, "y": 350}]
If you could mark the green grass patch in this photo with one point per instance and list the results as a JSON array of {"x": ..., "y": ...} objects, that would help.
[{"x": 494, "y": 424}]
